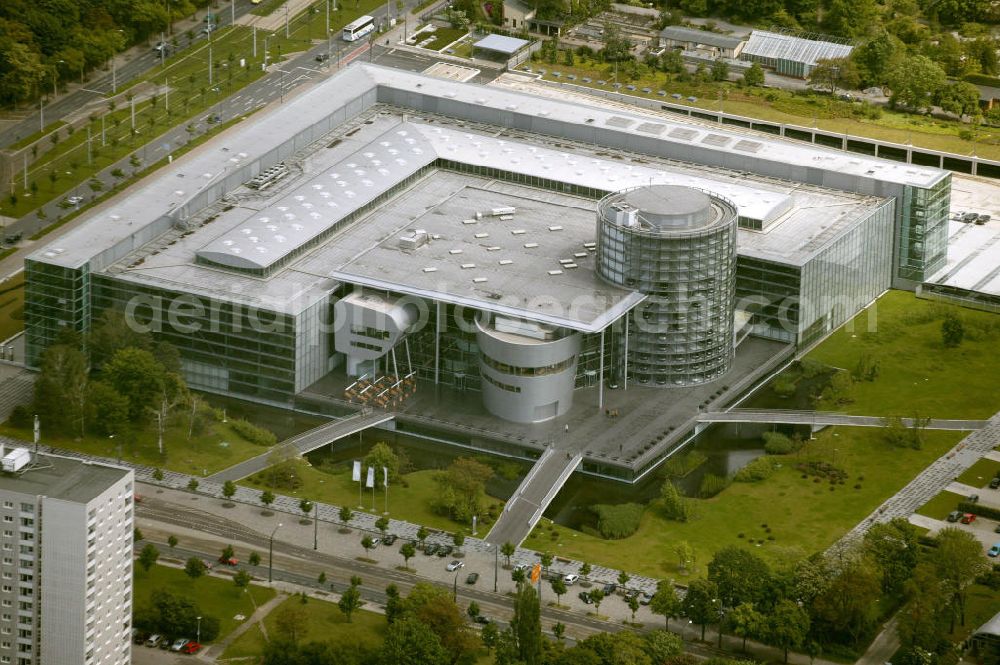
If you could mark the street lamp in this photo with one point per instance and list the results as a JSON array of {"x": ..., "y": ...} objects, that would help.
[
  {"x": 198, "y": 639},
  {"x": 270, "y": 553}
]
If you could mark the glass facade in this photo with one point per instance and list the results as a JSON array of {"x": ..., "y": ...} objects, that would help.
[
  {"x": 683, "y": 334},
  {"x": 223, "y": 346},
  {"x": 922, "y": 240},
  {"x": 55, "y": 299},
  {"x": 769, "y": 292}
]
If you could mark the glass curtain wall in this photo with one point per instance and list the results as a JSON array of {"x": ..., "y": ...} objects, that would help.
[
  {"x": 227, "y": 346},
  {"x": 55, "y": 299},
  {"x": 923, "y": 232}
]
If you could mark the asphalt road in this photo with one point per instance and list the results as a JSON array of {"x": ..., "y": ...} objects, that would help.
[{"x": 301, "y": 566}]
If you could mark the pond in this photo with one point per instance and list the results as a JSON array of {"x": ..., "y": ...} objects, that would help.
[{"x": 421, "y": 454}]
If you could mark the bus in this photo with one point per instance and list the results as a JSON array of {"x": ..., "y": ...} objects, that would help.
[{"x": 358, "y": 28}]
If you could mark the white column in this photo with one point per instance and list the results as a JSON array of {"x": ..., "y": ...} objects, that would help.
[{"x": 600, "y": 376}]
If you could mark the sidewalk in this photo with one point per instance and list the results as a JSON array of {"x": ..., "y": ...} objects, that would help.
[{"x": 213, "y": 652}]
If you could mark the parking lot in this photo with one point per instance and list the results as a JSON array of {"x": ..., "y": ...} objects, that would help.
[{"x": 142, "y": 655}]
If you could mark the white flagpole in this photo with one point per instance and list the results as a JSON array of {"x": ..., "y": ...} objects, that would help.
[
  {"x": 371, "y": 484},
  {"x": 385, "y": 482},
  {"x": 356, "y": 477}
]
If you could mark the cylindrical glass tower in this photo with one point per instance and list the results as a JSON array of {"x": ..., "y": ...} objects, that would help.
[{"x": 677, "y": 244}]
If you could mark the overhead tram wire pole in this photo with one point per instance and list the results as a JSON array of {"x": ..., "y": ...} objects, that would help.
[{"x": 270, "y": 553}]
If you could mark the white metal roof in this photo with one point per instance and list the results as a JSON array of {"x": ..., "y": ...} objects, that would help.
[
  {"x": 785, "y": 47},
  {"x": 501, "y": 44},
  {"x": 681, "y": 34}
]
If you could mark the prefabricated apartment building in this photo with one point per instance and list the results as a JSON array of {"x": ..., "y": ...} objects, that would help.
[{"x": 513, "y": 247}]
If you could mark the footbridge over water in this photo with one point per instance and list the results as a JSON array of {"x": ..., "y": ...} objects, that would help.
[
  {"x": 306, "y": 442},
  {"x": 532, "y": 497},
  {"x": 827, "y": 419}
]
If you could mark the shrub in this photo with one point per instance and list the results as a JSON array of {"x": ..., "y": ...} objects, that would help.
[
  {"x": 758, "y": 469},
  {"x": 21, "y": 417},
  {"x": 812, "y": 368},
  {"x": 253, "y": 433},
  {"x": 711, "y": 485},
  {"x": 618, "y": 521},
  {"x": 776, "y": 443},
  {"x": 783, "y": 386}
]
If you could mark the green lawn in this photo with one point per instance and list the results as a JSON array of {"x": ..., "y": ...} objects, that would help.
[
  {"x": 918, "y": 375},
  {"x": 981, "y": 604},
  {"x": 324, "y": 622},
  {"x": 442, "y": 37},
  {"x": 804, "y": 517},
  {"x": 11, "y": 306},
  {"x": 781, "y": 106},
  {"x": 216, "y": 449},
  {"x": 981, "y": 473},
  {"x": 939, "y": 507},
  {"x": 410, "y": 501},
  {"x": 213, "y": 596}
]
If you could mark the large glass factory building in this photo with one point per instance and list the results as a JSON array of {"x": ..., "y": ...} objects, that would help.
[{"x": 387, "y": 227}]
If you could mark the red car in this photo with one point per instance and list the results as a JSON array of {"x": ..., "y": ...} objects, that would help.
[
  {"x": 191, "y": 648},
  {"x": 231, "y": 561},
  {"x": 968, "y": 518}
]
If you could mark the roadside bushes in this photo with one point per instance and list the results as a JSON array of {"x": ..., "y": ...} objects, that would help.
[
  {"x": 253, "y": 433},
  {"x": 618, "y": 521}
]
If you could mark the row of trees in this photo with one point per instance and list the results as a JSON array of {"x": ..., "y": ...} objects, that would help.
[
  {"x": 111, "y": 381},
  {"x": 42, "y": 43},
  {"x": 836, "y": 602}
]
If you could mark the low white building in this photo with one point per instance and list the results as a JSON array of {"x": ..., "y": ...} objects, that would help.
[{"x": 66, "y": 563}]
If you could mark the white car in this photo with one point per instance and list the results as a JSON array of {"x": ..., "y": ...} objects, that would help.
[
  {"x": 75, "y": 200},
  {"x": 455, "y": 565},
  {"x": 179, "y": 644},
  {"x": 571, "y": 579}
]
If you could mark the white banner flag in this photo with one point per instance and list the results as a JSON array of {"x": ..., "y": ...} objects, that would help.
[
  {"x": 385, "y": 476},
  {"x": 371, "y": 478},
  {"x": 356, "y": 474}
]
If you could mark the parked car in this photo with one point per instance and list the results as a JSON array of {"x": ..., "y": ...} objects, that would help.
[
  {"x": 645, "y": 598},
  {"x": 140, "y": 637},
  {"x": 995, "y": 550},
  {"x": 571, "y": 579},
  {"x": 996, "y": 529},
  {"x": 954, "y": 516},
  {"x": 984, "y": 218},
  {"x": 968, "y": 518},
  {"x": 444, "y": 550},
  {"x": 430, "y": 549},
  {"x": 585, "y": 597},
  {"x": 995, "y": 483},
  {"x": 970, "y": 217},
  {"x": 481, "y": 619},
  {"x": 179, "y": 644},
  {"x": 376, "y": 541},
  {"x": 972, "y": 498},
  {"x": 609, "y": 589},
  {"x": 191, "y": 648},
  {"x": 231, "y": 561},
  {"x": 165, "y": 643},
  {"x": 455, "y": 565},
  {"x": 154, "y": 640},
  {"x": 75, "y": 200},
  {"x": 390, "y": 539},
  {"x": 322, "y": 57},
  {"x": 472, "y": 578}
]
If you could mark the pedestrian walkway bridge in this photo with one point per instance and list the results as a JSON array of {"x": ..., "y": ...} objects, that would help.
[
  {"x": 532, "y": 497},
  {"x": 306, "y": 442},
  {"x": 826, "y": 419}
]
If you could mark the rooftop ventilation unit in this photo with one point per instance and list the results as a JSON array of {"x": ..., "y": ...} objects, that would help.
[
  {"x": 625, "y": 215},
  {"x": 16, "y": 460},
  {"x": 268, "y": 177},
  {"x": 414, "y": 240},
  {"x": 506, "y": 210}
]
